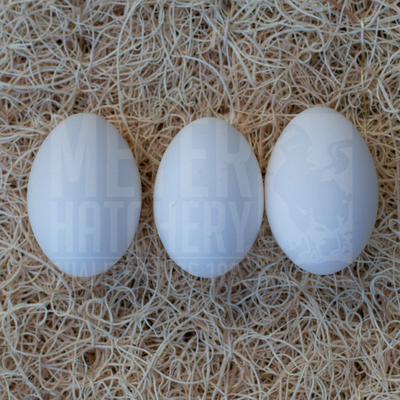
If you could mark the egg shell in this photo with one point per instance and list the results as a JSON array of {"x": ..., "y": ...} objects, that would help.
[
  {"x": 321, "y": 191},
  {"x": 84, "y": 195},
  {"x": 208, "y": 198}
]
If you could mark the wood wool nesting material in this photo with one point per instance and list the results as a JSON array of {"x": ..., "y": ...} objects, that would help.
[{"x": 145, "y": 329}]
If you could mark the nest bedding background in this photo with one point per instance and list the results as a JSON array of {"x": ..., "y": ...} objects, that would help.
[{"x": 145, "y": 329}]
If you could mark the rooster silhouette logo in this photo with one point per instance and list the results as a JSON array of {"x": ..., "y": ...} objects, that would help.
[{"x": 316, "y": 202}]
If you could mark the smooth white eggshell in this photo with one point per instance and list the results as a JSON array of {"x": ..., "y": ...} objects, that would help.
[
  {"x": 208, "y": 198},
  {"x": 84, "y": 195},
  {"x": 321, "y": 191}
]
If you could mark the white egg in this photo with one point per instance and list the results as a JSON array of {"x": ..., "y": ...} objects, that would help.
[
  {"x": 84, "y": 195},
  {"x": 321, "y": 191},
  {"x": 208, "y": 198}
]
